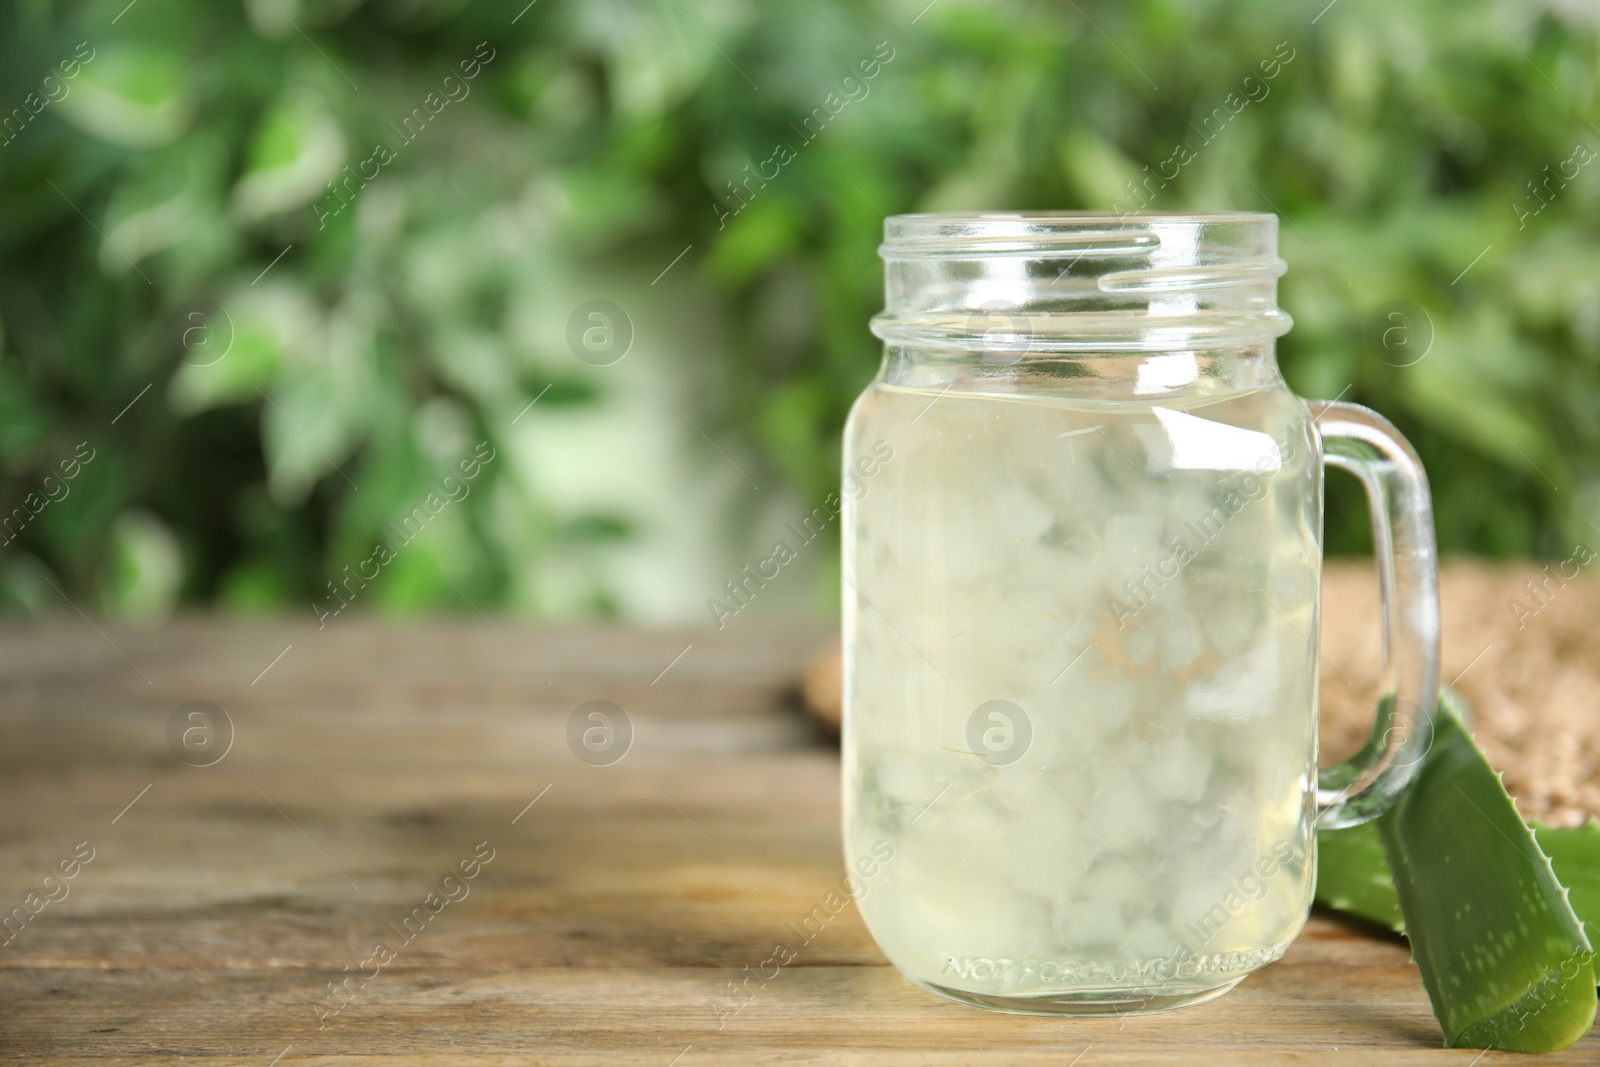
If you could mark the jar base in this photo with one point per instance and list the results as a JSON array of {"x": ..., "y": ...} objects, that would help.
[{"x": 1099, "y": 1002}]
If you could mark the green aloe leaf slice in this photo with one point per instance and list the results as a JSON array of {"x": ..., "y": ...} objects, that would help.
[
  {"x": 1502, "y": 954},
  {"x": 1353, "y": 876},
  {"x": 1575, "y": 854}
]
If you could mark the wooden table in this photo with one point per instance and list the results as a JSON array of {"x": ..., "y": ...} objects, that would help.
[{"x": 370, "y": 760}]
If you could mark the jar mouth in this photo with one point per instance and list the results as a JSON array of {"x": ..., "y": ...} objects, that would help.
[
  {"x": 1078, "y": 281},
  {"x": 914, "y": 219},
  {"x": 963, "y": 233}
]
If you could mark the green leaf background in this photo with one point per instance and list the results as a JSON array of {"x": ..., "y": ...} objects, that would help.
[{"x": 183, "y": 170}]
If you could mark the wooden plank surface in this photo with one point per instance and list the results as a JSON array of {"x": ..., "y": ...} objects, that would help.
[{"x": 370, "y": 760}]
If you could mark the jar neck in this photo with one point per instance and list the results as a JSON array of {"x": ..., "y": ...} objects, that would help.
[
  {"x": 1153, "y": 377},
  {"x": 1028, "y": 284}
]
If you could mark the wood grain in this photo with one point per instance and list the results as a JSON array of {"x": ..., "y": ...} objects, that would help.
[{"x": 371, "y": 759}]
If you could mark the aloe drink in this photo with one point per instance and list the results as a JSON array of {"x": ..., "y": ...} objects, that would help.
[{"x": 1081, "y": 642}]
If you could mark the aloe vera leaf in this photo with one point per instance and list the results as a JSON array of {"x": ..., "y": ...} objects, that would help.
[
  {"x": 1353, "y": 876},
  {"x": 1502, "y": 955},
  {"x": 1575, "y": 854}
]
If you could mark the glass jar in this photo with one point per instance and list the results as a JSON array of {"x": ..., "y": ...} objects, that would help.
[{"x": 1082, "y": 563}]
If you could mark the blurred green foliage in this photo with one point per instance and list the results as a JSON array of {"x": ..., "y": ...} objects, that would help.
[{"x": 319, "y": 360}]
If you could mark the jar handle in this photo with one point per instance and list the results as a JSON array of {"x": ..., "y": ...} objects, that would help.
[{"x": 1364, "y": 443}]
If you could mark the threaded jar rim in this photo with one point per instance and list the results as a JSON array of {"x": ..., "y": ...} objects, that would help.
[{"x": 1076, "y": 281}]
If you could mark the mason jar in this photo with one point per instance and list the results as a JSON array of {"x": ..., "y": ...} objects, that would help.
[{"x": 1081, "y": 595}]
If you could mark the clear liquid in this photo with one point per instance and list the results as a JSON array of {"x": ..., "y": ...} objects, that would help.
[{"x": 1137, "y": 581}]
